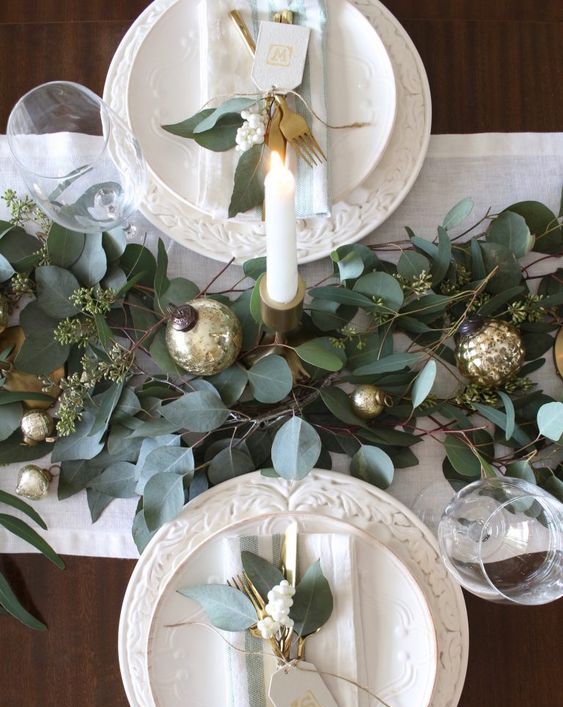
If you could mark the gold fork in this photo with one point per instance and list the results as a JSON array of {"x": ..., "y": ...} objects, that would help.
[{"x": 297, "y": 132}]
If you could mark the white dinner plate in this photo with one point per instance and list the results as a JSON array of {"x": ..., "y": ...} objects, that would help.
[
  {"x": 398, "y": 642},
  {"x": 164, "y": 88},
  {"x": 352, "y": 218},
  {"x": 181, "y": 552}
]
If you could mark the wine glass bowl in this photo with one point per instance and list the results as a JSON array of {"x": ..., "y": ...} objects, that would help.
[
  {"x": 80, "y": 162},
  {"x": 502, "y": 539}
]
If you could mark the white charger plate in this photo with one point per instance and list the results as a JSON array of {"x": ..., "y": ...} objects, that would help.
[
  {"x": 398, "y": 643},
  {"x": 330, "y": 497},
  {"x": 164, "y": 87},
  {"x": 365, "y": 208}
]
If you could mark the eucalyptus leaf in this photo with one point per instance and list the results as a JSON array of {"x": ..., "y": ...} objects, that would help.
[
  {"x": 270, "y": 379},
  {"x": 10, "y": 602},
  {"x": 161, "y": 355},
  {"x": 54, "y": 289},
  {"x": 233, "y": 105},
  {"x": 443, "y": 258},
  {"x": 312, "y": 602},
  {"x": 373, "y": 465},
  {"x": 201, "y": 411},
  {"x": 462, "y": 458},
  {"x": 350, "y": 266},
  {"x": 230, "y": 383},
  {"x": 10, "y": 419},
  {"x": 383, "y": 286},
  {"x": 320, "y": 353},
  {"x": 521, "y": 469},
  {"x": 223, "y": 135},
  {"x": 510, "y": 414},
  {"x": 75, "y": 476},
  {"x": 166, "y": 459},
  {"x": 79, "y": 445},
  {"x": 342, "y": 296},
  {"x": 6, "y": 270},
  {"x": 185, "y": 128},
  {"x": 161, "y": 282},
  {"x": 295, "y": 449},
  {"x": 20, "y": 528},
  {"x": 114, "y": 279},
  {"x": 255, "y": 267},
  {"x": 178, "y": 292},
  {"x": 340, "y": 405},
  {"x": 41, "y": 354},
  {"x": 263, "y": 574},
  {"x": 13, "y": 450},
  {"x": 64, "y": 246},
  {"x": 148, "y": 444},
  {"x": 20, "y": 505},
  {"x": 508, "y": 274},
  {"x": 97, "y": 503},
  {"x": 163, "y": 499},
  {"x": 412, "y": 264},
  {"x": 388, "y": 364},
  {"x": 458, "y": 213},
  {"x": 114, "y": 242},
  {"x": 228, "y": 463},
  {"x": 138, "y": 260},
  {"x": 107, "y": 403},
  {"x": 542, "y": 222},
  {"x": 248, "y": 189},
  {"x": 92, "y": 264},
  {"x": 511, "y": 230},
  {"x": 498, "y": 301},
  {"x": 423, "y": 383},
  {"x": 227, "y": 609},
  {"x": 550, "y": 420},
  {"x": 117, "y": 480}
]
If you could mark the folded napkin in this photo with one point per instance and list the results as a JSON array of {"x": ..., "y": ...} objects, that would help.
[
  {"x": 226, "y": 69},
  {"x": 338, "y": 646}
]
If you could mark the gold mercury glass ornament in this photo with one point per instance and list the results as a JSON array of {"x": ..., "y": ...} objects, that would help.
[
  {"x": 4, "y": 314},
  {"x": 36, "y": 426},
  {"x": 33, "y": 482},
  {"x": 489, "y": 352},
  {"x": 368, "y": 401},
  {"x": 204, "y": 337}
]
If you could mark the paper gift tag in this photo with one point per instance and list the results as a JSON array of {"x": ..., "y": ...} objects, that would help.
[
  {"x": 299, "y": 687},
  {"x": 281, "y": 51}
]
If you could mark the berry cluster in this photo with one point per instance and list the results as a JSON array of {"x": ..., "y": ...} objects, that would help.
[
  {"x": 280, "y": 601},
  {"x": 253, "y": 130}
]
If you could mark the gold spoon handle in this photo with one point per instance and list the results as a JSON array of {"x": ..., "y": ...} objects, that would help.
[{"x": 244, "y": 31}]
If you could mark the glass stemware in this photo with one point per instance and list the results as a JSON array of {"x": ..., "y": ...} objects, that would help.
[
  {"x": 78, "y": 159},
  {"x": 502, "y": 539}
]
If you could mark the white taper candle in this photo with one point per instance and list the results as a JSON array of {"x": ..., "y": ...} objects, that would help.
[{"x": 281, "y": 232}]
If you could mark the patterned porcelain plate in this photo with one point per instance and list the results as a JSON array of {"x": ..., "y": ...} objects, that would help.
[
  {"x": 164, "y": 87},
  {"x": 421, "y": 651},
  {"x": 365, "y": 208}
]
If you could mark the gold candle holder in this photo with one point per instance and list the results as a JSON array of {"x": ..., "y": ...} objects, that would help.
[{"x": 280, "y": 317}]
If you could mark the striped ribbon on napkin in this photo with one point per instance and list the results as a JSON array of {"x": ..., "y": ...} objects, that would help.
[
  {"x": 338, "y": 647},
  {"x": 226, "y": 70}
]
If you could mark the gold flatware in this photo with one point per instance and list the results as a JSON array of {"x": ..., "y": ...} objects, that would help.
[
  {"x": 240, "y": 24},
  {"x": 297, "y": 132},
  {"x": 289, "y": 554}
]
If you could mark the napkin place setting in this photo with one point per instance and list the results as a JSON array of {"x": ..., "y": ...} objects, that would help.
[
  {"x": 290, "y": 616},
  {"x": 265, "y": 96}
]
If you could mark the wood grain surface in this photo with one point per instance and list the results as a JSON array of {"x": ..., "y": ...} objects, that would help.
[{"x": 493, "y": 65}]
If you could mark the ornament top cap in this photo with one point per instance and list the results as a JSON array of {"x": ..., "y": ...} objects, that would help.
[
  {"x": 470, "y": 326},
  {"x": 183, "y": 318}
]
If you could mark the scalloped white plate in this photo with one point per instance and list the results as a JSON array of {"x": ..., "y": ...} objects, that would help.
[
  {"x": 164, "y": 87},
  {"x": 154, "y": 671},
  {"x": 365, "y": 208}
]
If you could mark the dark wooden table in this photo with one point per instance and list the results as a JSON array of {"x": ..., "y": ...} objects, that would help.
[{"x": 493, "y": 65}]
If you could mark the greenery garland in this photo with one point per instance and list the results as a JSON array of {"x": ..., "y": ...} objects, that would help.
[{"x": 131, "y": 423}]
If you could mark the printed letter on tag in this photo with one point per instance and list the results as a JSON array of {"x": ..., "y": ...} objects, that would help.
[
  {"x": 281, "y": 51},
  {"x": 301, "y": 686}
]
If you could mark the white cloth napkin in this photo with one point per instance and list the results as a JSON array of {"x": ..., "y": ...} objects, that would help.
[
  {"x": 226, "y": 69},
  {"x": 338, "y": 646}
]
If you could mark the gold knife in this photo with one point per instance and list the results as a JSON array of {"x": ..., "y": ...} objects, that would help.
[{"x": 289, "y": 554}]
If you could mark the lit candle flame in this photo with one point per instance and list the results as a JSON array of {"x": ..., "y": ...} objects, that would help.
[{"x": 276, "y": 162}]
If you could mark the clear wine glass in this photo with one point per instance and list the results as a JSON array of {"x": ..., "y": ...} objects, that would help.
[
  {"x": 79, "y": 160},
  {"x": 502, "y": 539}
]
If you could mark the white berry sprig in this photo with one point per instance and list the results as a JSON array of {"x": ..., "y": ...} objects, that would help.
[{"x": 253, "y": 130}]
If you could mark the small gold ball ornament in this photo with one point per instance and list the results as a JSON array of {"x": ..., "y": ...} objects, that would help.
[
  {"x": 368, "y": 401},
  {"x": 204, "y": 337},
  {"x": 36, "y": 426},
  {"x": 4, "y": 313},
  {"x": 33, "y": 482},
  {"x": 489, "y": 352}
]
